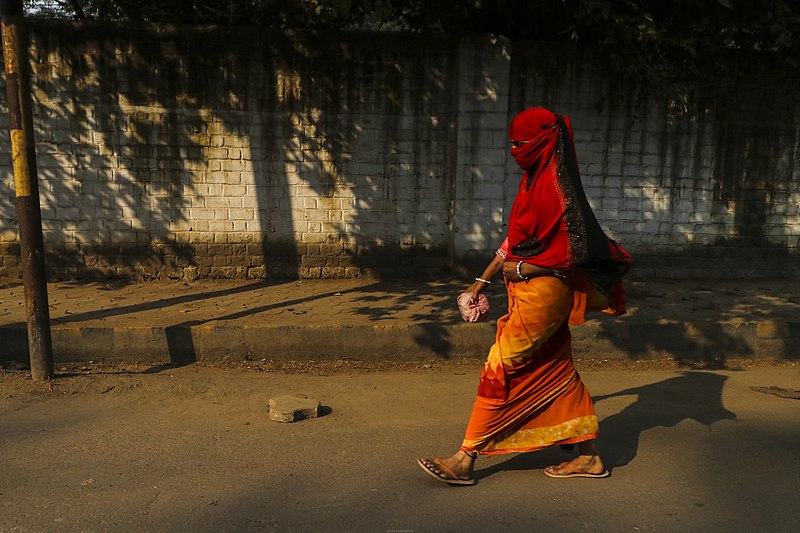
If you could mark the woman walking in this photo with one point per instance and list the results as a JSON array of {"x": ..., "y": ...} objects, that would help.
[{"x": 558, "y": 264}]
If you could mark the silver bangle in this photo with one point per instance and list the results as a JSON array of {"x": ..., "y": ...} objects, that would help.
[
  {"x": 559, "y": 273},
  {"x": 519, "y": 272},
  {"x": 486, "y": 281}
]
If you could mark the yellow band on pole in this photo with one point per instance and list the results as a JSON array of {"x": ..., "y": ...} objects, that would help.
[{"x": 22, "y": 181}]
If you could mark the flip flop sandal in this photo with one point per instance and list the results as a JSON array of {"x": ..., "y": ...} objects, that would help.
[
  {"x": 547, "y": 472},
  {"x": 431, "y": 467}
]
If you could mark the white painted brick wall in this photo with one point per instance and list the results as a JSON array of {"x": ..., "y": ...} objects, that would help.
[{"x": 393, "y": 154}]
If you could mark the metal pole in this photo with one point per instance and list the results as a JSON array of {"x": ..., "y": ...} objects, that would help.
[{"x": 26, "y": 187}]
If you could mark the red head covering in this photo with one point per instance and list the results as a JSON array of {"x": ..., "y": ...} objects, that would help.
[
  {"x": 530, "y": 123},
  {"x": 535, "y": 126},
  {"x": 551, "y": 223}
]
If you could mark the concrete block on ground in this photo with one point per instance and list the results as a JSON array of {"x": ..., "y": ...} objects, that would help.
[{"x": 290, "y": 408}]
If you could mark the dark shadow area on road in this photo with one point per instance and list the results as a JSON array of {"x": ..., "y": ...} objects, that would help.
[{"x": 691, "y": 396}]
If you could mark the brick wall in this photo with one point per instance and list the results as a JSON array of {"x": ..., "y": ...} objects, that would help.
[{"x": 192, "y": 152}]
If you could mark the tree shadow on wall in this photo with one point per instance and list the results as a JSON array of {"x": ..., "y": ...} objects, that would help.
[
  {"x": 369, "y": 140},
  {"x": 728, "y": 169},
  {"x": 735, "y": 166},
  {"x": 114, "y": 149},
  {"x": 328, "y": 156},
  {"x": 343, "y": 148}
]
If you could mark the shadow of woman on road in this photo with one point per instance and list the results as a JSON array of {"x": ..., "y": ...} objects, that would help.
[{"x": 690, "y": 396}]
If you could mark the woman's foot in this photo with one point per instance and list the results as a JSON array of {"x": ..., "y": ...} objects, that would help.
[
  {"x": 457, "y": 469},
  {"x": 581, "y": 466}
]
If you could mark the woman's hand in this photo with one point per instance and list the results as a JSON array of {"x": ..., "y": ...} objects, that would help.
[
  {"x": 488, "y": 273},
  {"x": 474, "y": 290}
]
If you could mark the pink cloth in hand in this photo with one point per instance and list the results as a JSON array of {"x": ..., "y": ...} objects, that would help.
[{"x": 473, "y": 311}]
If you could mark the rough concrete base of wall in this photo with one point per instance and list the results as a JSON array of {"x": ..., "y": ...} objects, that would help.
[
  {"x": 241, "y": 261},
  {"x": 282, "y": 260}
]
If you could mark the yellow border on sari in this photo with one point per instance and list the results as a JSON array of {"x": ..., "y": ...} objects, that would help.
[
  {"x": 479, "y": 444},
  {"x": 527, "y": 440}
]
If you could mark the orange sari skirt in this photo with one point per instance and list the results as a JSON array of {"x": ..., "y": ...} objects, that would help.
[{"x": 530, "y": 396}]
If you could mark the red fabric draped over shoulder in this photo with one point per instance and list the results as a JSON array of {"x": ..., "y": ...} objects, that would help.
[
  {"x": 536, "y": 227},
  {"x": 551, "y": 223}
]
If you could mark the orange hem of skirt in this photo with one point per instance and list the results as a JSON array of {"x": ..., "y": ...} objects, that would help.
[{"x": 571, "y": 440}]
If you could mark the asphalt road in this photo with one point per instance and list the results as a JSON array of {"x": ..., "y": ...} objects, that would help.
[{"x": 192, "y": 449}]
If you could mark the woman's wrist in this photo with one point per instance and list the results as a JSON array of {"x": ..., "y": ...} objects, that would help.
[{"x": 520, "y": 275}]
